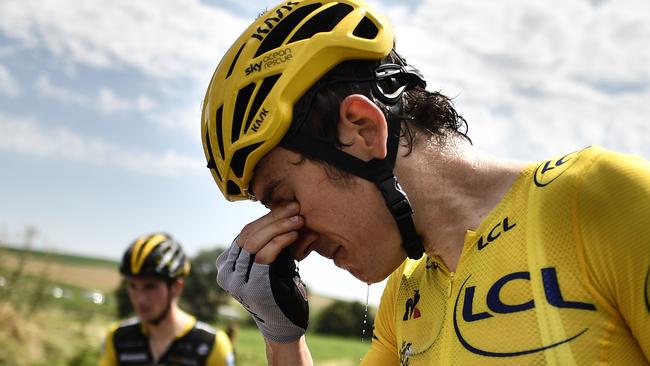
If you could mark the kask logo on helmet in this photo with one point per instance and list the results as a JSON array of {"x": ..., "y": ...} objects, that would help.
[
  {"x": 259, "y": 120},
  {"x": 271, "y": 21}
]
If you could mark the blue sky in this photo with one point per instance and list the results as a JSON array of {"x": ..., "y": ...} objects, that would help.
[{"x": 100, "y": 105}]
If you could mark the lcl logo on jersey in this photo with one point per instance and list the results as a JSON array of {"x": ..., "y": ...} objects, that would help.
[
  {"x": 550, "y": 170},
  {"x": 496, "y": 306},
  {"x": 495, "y": 232}
]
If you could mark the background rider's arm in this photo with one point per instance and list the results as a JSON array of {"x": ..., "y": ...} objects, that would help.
[
  {"x": 614, "y": 224},
  {"x": 109, "y": 358},
  {"x": 222, "y": 351},
  {"x": 293, "y": 353}
]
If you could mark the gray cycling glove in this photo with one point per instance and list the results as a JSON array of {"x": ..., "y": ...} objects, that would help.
[{"x": 273, "y": 293}]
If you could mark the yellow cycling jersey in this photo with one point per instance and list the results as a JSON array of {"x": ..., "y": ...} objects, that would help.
[
  {"x": 557, "y": 274},
  {"x": 198, "y": 344}
]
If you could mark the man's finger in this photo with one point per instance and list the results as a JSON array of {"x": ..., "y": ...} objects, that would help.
[
  {"x": 258, "y": 240},
  {"x": 272, "y": 249},
  {"x": 282, "y": 212}
]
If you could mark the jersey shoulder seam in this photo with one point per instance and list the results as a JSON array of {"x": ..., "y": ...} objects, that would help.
[{"x": 580, "y": 245}]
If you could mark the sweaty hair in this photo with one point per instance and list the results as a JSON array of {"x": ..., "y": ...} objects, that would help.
[{"x": 430, "y": 114}]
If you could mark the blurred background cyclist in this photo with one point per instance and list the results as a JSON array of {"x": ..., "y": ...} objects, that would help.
[{"x": 154, "y": 268}]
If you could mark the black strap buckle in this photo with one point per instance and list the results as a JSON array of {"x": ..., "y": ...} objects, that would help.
[
  {"x": 395, "y": 197},
  {"x": 400, "y": 208}
]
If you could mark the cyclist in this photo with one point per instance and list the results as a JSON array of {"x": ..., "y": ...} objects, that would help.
[
  {"x": 154, "y": 267},
  {"x": 312, "y": 112}
]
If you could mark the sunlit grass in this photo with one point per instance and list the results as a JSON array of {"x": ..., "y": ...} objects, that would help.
[{"x": 325, "y": 350}]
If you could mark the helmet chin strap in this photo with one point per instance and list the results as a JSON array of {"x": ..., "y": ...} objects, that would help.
[{"x": 378, "y": 171}]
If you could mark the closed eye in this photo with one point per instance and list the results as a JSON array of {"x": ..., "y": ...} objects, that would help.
[{"x": 268, "y": 192}]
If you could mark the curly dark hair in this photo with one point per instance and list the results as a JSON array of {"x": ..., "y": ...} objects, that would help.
[{"x": 430, "y": 114}]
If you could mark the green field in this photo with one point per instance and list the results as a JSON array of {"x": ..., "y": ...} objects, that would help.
[
  {"x": 63, "y": 257},
  {"x": 51, "y": 315},
  {"x": 332, "y": 351}
]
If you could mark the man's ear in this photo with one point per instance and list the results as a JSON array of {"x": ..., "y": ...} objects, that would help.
[
  {"x": 363, "y": 128},
  {"x": 177, "y": 287}
]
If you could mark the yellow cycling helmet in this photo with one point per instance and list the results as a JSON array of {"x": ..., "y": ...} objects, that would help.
[
  {"x": 155, "y": 255},
  {"x": 249, "y": 103}
]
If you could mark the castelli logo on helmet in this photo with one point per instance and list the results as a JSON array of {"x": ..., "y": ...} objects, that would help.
[{"x": 270, "y": 22}]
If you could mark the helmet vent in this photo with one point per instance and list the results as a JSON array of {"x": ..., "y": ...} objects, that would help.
[
  {"x": 261, "y": 95},
  {"x": 239, "y": 158},
  {"x": 281, "y": 31},
  {"x": 218, "y": 175},
  {"x": 243, "y": 98},
  {"x": 219, "y": 125},
  {"x": 232, "y": 189},
  {"x": 324, "y": 21},
  {"x": 211, "y": 162},
  {"x": 366, "y": 29},
  {"x": 232, "y": 65},
  {"x": 138, "y": 254}
]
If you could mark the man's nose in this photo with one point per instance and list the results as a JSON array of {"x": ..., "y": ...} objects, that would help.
[
  {"x": 138, "y": 297},
  {"x": 301, "y": 248}
]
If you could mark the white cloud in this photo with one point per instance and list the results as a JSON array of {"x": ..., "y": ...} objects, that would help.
[
  {"x": 6, "y": 51},
  {"x": 537, "y": 78},
  {"x": 185, "y": 117},
  {"x": 166, "y": 39},
  {"x": 503, "y": 59},
  {"x": 144, "y": 103},
  {"x": 614, "y": 49},
  {"x": 45, "y": 87},
  {"x": 8, "y": 84},
  {"x": 106, "y": 100},
  {"x": 26, "y": 136}
]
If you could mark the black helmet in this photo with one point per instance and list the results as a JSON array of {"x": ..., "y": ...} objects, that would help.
[{"x": 157, "y": 255}]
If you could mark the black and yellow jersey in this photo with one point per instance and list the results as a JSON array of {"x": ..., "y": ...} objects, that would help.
[
  {"x": 197, "y": 345},
  {"x": 557, "y": 274}
]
